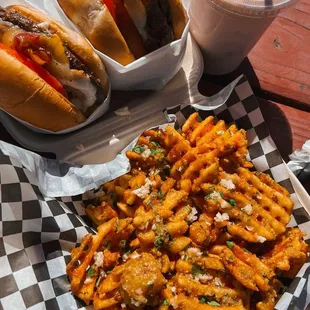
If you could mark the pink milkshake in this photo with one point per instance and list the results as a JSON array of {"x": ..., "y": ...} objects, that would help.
[{"x": 226, "y": 30}]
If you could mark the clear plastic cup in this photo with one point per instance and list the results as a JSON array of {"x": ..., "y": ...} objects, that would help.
[{"x": 226, "y": 30}]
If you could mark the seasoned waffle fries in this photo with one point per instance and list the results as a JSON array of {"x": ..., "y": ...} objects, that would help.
[{"x": 189, "y": 227}]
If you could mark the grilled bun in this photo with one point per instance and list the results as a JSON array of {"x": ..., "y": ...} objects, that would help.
[
  {"x": 107, "y": 34},
  {"x": 178, "y": 17},
  {"x": 75, "y": 42},
  {"x": 96, "y": 22},
  {"x": 30, "y": 98}
]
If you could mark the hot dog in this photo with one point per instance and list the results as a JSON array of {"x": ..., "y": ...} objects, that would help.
[
  {"x": 49, "y": 75},
  {"x": 126, "y": 30}
]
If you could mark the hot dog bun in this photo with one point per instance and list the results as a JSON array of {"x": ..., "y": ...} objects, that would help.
[
  {"x": 178, "y": 18},
  {"x": 97, "y": 23},
  {"x": 29, "y": 97},
  {"x": 76, "y": 43}
]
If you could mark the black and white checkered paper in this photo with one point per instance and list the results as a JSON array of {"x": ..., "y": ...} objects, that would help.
[{"x": 38, "y": 230}]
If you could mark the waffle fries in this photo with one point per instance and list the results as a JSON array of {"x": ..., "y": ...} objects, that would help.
[{"x": 189, "y": 227}]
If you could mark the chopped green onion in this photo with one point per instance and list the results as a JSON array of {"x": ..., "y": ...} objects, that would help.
[
  {"x": 138, "y": 149},
  {"x": 160, "y": 194},
  {"x": 232, "y": 202},
  {"x": 203, "y": 300},
  {"x": 197, "y": 270},
  {"x": 188, "y": 209},
  {"x": 154, "y": 152},
  {"x": 155, "y": 143},
  {"x": 90, "y": 272},
  {"x": 230, "y": 244},
  {"x": 213, "y": 303},
  {"x": 159, "y": 241}
]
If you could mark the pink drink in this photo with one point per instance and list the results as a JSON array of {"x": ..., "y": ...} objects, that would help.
[{"x": 226, "y": 30}]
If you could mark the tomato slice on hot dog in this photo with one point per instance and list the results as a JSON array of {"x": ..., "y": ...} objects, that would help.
[
  {"x": 44, "y": 74},
  {"x": 126, "y": 26}
]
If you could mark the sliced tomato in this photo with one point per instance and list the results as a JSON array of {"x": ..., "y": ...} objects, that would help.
[
  {"x": 126, "y": 26},
  {"x": 44, "y": 74},
  {"x": 111, "y": 7}
]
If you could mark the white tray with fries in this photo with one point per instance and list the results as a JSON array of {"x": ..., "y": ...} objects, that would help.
[
  {"x": 172, "y": 200},
  {"x": 178, "y": 249}
]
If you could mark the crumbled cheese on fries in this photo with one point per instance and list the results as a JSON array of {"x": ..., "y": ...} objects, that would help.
[{"x": 184, "y": 227}]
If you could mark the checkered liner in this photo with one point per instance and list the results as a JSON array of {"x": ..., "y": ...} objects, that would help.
[{"x": 37, "y": 233}]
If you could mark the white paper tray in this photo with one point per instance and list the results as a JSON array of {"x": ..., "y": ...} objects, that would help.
[{"x": 87, "y": 146}]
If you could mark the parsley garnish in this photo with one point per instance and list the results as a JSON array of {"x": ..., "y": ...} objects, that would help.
[
  {"x": 232, "y": 202},
  {"x": 213, "y": 303},
  {"x": 165, "y": 303},
  {"x": 148, "y": 202},
  {"x": 90, "y": 272},
  {"x": 155, "y": 143},
  {"x": 203, "y": 300},
  {"x": 207, "y": 196},
  {"x": 196, "y": 270},
  {"x": 230, "y": 244},
  {"x": 138, "y": 149},
  {"x": 188, "y": 209},
  {"x": 211, "y": 188},
  {"x": 154, "y": 152},
  {"x": 159, "y": 241},
  {"x": 160, "y": 194}
]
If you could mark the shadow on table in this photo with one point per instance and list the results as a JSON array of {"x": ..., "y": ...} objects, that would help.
[{"x": 244, "y": 68}]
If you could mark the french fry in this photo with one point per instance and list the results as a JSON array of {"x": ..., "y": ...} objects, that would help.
[
  {"x": 100, "y": 214},
  {"x": 290, "y": 249},
  {"x": 88, "y": 247},
  {"x": 185, "y": 228}
]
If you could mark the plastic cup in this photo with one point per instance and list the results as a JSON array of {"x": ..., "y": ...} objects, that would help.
[{"x": 227, "y": 30}]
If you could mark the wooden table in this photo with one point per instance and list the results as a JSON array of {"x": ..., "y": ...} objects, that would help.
[{"x": 278, "y": 69}]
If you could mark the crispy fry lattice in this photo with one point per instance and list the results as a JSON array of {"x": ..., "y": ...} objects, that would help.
[
  {"x": 186, "y": 227},
  {"x": 257, "y": 211},
  {"x": 288, "y": 254}
]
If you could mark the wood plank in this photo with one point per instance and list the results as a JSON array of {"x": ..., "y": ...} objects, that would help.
[
  {"x": 281, "y": 58},
  {"x": 299, "y": 122},
  {"x": 279, "y": 127}
]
